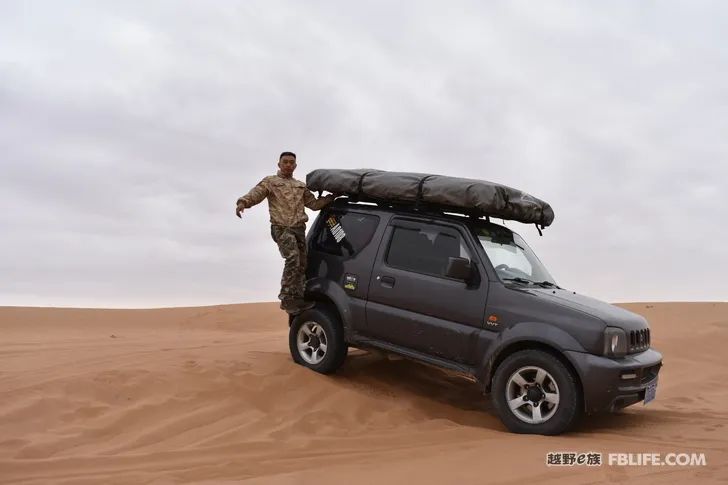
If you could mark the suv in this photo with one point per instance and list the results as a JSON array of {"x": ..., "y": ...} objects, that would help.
[{"x": 465, "y": 294}]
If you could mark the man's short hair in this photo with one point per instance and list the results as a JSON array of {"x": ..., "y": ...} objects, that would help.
[{"x": 290, "y": 154}]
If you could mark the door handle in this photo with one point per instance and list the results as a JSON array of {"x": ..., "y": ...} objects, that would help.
[{"x": 386, "y": 281}]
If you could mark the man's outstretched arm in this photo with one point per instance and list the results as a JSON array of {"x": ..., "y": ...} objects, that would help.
[
  {"x": 255, "y": 196},
  {"x": 310, "y": 200}
]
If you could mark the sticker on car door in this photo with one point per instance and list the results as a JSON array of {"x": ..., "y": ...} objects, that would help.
[{"x": 350, "y": 282}]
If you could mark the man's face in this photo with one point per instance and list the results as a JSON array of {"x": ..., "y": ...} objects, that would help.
[{"x": 287, "y": 164}]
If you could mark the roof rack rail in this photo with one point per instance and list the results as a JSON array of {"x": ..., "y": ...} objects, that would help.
[{"x": 422, "y": 207}]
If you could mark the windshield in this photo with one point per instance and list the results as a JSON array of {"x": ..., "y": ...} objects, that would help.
[{"x": 511, "y": 257}]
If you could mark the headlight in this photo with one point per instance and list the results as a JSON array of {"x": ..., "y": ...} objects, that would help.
[{"x": 615, "y": 342}]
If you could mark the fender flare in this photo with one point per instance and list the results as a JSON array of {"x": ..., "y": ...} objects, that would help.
[
  {"x": 324, "y": 289},
  {"x": 538, "y": 333}
]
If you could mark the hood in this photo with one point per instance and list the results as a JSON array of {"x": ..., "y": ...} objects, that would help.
[{"x": 611, "y": 315}]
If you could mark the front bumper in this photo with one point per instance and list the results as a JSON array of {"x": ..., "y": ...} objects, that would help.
[{"x": 602, "y": 380}]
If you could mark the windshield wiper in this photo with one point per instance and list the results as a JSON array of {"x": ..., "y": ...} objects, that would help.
[
  {"x": 520, "y": 280},
  {"x": 546, "y": 284}
]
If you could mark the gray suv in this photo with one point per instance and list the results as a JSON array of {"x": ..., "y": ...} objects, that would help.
[{"x": 465, "y": 294}]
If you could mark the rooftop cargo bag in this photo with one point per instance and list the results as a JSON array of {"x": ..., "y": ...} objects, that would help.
[{"x": 478, "y": 197}]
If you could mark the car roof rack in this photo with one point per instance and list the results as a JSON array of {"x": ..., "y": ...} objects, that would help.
[{"x": 421, "y": 208}]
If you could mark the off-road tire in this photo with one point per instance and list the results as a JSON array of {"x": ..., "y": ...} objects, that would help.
[
  {"x": 568, "y": 411},
  {"x": 336, "y": 346}
]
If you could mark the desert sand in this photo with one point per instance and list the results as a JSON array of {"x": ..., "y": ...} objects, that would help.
[{"x": 211, "y": 395}]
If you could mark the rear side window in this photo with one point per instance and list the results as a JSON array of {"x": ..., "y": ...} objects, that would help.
[
  {"x": 345, "y": 234},
  {"x": 425, "y": 250}
]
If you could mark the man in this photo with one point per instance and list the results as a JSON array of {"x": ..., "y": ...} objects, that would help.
[{"x": 286, "y": 200}]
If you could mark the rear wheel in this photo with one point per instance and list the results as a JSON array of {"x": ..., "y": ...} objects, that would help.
[
  {"x": 316, "y": 341},
  {"x": 534, "y": 392}
]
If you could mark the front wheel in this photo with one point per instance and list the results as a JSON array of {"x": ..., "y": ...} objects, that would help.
[
  {"x": 316, "y": 341},
  {"x": 534, "y": 392}
]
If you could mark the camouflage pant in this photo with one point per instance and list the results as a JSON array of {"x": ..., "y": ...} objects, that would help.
[{"x": 292, "y": 245}]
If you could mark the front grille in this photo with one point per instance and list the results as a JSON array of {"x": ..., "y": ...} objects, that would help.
[{"x": 639, "y": 340}]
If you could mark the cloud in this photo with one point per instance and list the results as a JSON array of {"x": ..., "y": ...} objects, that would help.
[{"x": 127, "y": 131}]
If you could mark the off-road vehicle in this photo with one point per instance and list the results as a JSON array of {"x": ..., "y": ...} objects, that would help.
[{"x": 461, "y": 292}]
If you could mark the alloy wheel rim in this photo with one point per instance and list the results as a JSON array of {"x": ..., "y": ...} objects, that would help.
[
  {"x": 532, "y": 395},
  {"x": 312, "y": 342}
]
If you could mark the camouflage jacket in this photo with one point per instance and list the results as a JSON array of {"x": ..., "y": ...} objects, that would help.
[{"x": 286, "y": 200}]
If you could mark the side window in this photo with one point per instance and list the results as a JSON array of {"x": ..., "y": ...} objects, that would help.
[
  {"x": 425, "y": 250},
  {"x": 345, "y": 234}
]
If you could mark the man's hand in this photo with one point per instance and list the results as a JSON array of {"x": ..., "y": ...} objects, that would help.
[{"x": 239, "y": 209}]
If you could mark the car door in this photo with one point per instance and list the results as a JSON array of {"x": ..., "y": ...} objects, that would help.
[{"x": 411, "y": 303}]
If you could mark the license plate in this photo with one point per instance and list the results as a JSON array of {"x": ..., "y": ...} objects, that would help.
[{"x": 651, "y": 391}]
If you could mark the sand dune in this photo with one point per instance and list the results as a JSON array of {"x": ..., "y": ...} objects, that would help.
[{"x": 210, "y": 395}]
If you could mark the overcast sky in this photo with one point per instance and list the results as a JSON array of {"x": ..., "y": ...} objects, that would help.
[{"x": 128, "y": 130}]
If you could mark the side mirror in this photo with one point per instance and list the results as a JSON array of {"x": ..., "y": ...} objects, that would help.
[{"x": 459, "y": 269}]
